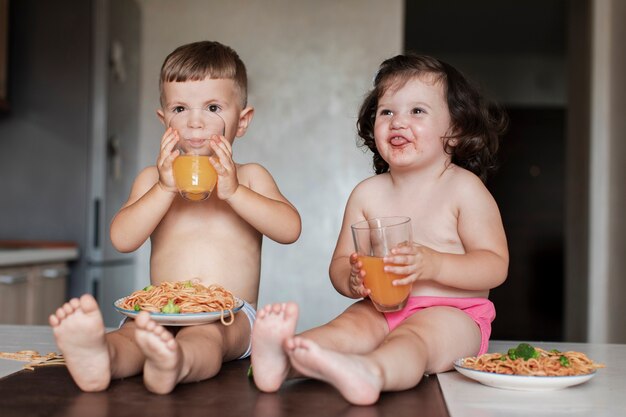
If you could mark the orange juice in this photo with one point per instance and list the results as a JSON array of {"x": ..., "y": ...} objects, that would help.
[
  {"x": 386, "y": 297},
  {"x": 195, "y": 176}
]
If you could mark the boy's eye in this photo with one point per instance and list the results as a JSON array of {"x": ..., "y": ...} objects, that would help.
[
  {"x": 178, "y": 109},
  {"x": 213, "y": 108},
  {"x": 417, "y": 110}
]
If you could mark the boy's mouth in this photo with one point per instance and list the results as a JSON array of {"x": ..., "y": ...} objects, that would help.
[{"x": 196, "y": 143}]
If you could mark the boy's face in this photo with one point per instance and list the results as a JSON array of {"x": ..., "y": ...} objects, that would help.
[
  {"x": 411, "y": 120},
  {"x": 213, "y": 95}
]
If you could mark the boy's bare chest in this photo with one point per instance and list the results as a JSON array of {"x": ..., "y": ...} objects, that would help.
[{"x": 207, "y": 219}]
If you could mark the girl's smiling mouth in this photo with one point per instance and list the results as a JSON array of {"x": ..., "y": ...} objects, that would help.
[{"x": 398, "y": 141}]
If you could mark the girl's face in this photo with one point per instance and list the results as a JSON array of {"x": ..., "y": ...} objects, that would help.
[{"x": 411, "y": 120}]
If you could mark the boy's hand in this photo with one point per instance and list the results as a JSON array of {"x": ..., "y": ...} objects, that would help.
[
  {"x": 166, "y": 157},
  {"x": 357, "y": 288},
  {"x": 415, "y": 261},
  {"x": 227, "y": 182}
]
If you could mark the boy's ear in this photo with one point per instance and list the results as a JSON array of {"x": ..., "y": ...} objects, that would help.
[
  {"x": 161, "y": 116},
  {"x": 245, "y": 117}
]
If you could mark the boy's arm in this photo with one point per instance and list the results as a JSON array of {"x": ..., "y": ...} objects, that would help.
[
  {"x": 147, "y": 204},
  {"x": 263, "y": 206}
]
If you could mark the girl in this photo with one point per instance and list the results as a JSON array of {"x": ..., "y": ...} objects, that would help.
[{"x": 434, "y": 140}]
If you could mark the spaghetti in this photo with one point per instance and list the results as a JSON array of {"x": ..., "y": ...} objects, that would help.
[
  {"x": 182, "y": 297},
  {"x": 541, "y": 363},
  {"x": 34, "y": 358}
]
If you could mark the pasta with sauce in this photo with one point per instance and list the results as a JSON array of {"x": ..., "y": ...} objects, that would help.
[
  {"x": 533, "y": 361},
  {"x": 182, "y": 297}
]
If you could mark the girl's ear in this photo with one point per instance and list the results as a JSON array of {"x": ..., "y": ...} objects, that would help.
[
  {"x": 245, "y": 117},
  {"x": 161, "y": 116}
]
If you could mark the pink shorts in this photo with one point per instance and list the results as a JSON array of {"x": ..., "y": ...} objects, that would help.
[{"x": 481, "y": 310}]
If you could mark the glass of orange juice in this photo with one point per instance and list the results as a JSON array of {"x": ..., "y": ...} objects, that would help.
[
  {"x": 194, "y": 175},
  {"x": 373, "y": 240}
]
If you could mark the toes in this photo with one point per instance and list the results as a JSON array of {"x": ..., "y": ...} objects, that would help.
[
  {"x": 291, "y": 309},
  {"x": 74, "y": 303},
  {"x": 142, "y": 320},
  {"x": 88, "y": 303}
]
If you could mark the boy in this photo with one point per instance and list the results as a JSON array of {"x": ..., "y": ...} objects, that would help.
[{"x": 217, "y": 241}]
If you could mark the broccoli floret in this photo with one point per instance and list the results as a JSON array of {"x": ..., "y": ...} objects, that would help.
[
  {"x": 148, "y": 288},
  {"x": 564, "y": 361},
  {"x": 137, "y": 307},
  {"x": 523, "y": 351},
  {"x": 171, "y": 308}
]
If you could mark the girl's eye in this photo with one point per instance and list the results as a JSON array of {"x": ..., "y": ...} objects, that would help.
[
  {"x": 385, "y": 112},
  {"x": 417, "y": 111}
]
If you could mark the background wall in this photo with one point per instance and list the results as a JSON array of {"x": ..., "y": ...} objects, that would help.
[{"x": 309, "y": 65}]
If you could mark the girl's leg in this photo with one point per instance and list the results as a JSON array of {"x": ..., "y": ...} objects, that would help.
[
  {"x": 93, "y": 356},
  {"x": 195, "y": 354},
  {"x": 359, "y": 329},
  {"x": 428, "y": 341}
]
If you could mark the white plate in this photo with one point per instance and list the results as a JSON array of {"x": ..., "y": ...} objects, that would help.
[
  {"x": 183, "y": 319},
  {"x": 522, "y": 382}
]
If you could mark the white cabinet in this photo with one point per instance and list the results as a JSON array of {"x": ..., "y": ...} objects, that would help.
[{"x": 30, "y": 293}]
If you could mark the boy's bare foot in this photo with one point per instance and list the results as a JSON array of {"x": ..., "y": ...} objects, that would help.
[
  {"x": 162, "y": 368},
  {"x": 356, "y": 379},
  {"x": 274, "y": 324},
  {"x": 79, "y": 332}
]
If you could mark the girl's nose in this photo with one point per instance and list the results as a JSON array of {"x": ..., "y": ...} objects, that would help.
[{"x": 397, "y": 122}]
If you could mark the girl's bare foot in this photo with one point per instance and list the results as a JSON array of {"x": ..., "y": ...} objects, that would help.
[
  {"x": 359, "y": 381},
  {"x": 161, "y": 371},
  {"x": 79, "y": 332},
  {"x": 274, "y": 324}
]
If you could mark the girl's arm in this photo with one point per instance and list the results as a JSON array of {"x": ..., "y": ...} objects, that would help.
[
  {"x": 483, "y": 266},
  {"x": 345, "y": 268}
]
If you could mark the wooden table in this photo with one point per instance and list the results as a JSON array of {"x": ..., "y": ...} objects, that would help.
[{"x": 51, "y": 392}]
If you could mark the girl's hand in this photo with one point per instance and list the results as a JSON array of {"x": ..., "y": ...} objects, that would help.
[
  {"x": 357, "y": 288},
  {"x": 415, "y": 261},
  {"x": 166, "y": 158},
  {"x": 227, "y": 182}
]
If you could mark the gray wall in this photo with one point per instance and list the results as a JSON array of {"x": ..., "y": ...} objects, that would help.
[{"x": 310, "y": 64}]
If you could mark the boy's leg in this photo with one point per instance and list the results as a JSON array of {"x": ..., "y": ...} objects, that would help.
[
  {"x": 93, "y": 356},
  {"x": 195, "y": 354},
  {"x": 428, "y": 341},
  {"x": 359, "y": 329}
]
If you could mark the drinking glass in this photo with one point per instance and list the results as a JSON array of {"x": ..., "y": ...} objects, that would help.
[
  {"x": 373, "y": 240},
  {"x": 194, "y": 175}
]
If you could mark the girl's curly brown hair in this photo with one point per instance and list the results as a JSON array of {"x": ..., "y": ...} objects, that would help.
[{"x": 476, "y": 122}]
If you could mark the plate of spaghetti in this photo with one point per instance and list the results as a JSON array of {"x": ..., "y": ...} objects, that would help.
[
  {"x": 182, "y": 303},
  {"x": 529, "y": 368}
]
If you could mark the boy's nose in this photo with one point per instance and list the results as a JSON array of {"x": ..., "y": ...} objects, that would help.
[{"x": 195, "y": 118}]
